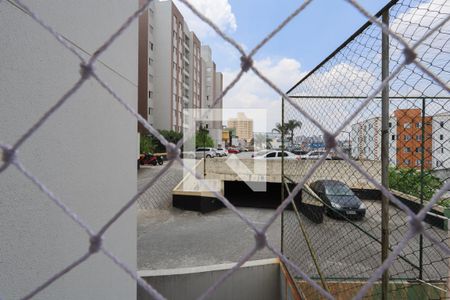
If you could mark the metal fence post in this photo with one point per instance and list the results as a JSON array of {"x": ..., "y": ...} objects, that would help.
[
  {"x": 422, "y": 170},
  {"x": 385, "y": 153},
  {"x": 282, "y": 172}
]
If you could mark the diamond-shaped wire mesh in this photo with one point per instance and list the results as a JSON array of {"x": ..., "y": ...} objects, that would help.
[
  {"x": 427, "y": 74},
  {"x": 349, "y": 250}
]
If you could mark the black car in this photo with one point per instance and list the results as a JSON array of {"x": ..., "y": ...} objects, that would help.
[{"x": 339, "y": 199}]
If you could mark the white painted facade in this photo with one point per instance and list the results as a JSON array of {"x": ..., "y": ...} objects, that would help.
[
  {"x": 165, "y": 71},
  {"x": 211, "y": 89},
  {"x": 366, "y": 140},
  {"x": 72, "y": 153},
  {"x": 441, "y": 141}
]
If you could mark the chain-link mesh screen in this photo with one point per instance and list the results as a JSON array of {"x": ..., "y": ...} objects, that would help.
[
  {"x": 353, "y": 71},
  {"x": 349, "y": 248}
]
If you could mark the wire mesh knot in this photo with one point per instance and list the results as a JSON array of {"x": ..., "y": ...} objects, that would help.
[
  {"x": 246, "y": 63},
  {"x": 8, "y": 154},
  {"x": 86, "y": 70},
  {"x": 410, "y": 55},
  {"x": 329, "y": 140},
  {"x": 415, "y": 224},
  {"x": 95, "y": 244},
  {"x": 261, "y": 240},
  {"x": 172, "y": 151}
]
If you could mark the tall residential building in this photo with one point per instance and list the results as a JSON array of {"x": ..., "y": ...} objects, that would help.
[
  {"x": 243, "y": 126},
  {"x": 212, "y": 85},
  {"x": 175, "y": 71},
  {"x": 409, "y": 138},
  {"x": 169, "y": 67},
  {"x": 407, "y": 129},
  {"x": 441, "y": 141},
  {"x": 366, "y": 140},
  {"x": 146, "y": 63}
]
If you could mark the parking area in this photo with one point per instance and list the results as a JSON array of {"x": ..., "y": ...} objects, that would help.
[{"x": 172, "y": 238}]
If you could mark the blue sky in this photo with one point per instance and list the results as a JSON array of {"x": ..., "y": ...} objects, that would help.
[{"x": 298, "y": 48}]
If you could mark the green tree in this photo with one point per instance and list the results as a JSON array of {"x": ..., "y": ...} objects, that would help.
[
  {"x": 203, "y": 139},
  {"x": 408, "y": 181},
  {"x": 279, "y": 129},
  {"x": 146, "y": 144},
  {"x": 288, "y": 129},
  {"x": 291, "y": 126},
  {"x": 170, "y": 135}
]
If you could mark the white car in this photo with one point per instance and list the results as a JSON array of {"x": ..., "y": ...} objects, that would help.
[
  {"x": 205, "y": 153},
  {"x": 315, "y": 154},
  {"x": 275, "y": 154},
  {"x": 220, "y": 152}
]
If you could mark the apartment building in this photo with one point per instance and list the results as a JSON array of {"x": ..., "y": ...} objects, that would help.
[
  {"x": 441, "y": 141},
  {"x": 146, "y": 62},
  {"x": 412, "y": 138},
  {"x": 176, "y": 72},
  {"x": 243, "y": 126},
  {"x": 212, "y": 86}
]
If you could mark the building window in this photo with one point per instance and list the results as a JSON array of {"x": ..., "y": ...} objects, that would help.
[
  {"x": 418, "y": 137},
  {"x": 407, "y": 137},
  {"x": 406, "y": 162},
  {"x": 418, "y": 162},
  {"x": 441, "y": 137},
  {"x": 418, "y": 125},
  {"x": 150, "y": 94},
  {"x": 393, "y": 137},
  {"x": 441, "y": 123},
  {"x": 407, "y": 125},
  {"x": 149, "y": 110},
  {"x": 442, "y": 149},
  {"x": 390, "y": 124},
  {"x": 438, "y": 163},
  {"x": 406, "y": 149},
  {"x": 419, "y": 149},
  {"x": 151, "y": 46}
]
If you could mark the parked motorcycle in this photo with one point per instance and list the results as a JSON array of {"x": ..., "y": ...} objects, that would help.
[{"x": 150, "y": 159}]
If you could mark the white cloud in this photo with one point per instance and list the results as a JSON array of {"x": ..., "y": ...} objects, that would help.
[
  {"x": 252, "y": 92},
  {"x": 218, "y": 11}
]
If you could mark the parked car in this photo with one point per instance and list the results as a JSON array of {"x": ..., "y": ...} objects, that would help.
[
  {"x": 316, "y": 154},
  {"x": 260, "y": 153},
  {"x": 297, "y": 151},
  {"x": 243, "y": 149},
  {"x": 276, "y": 154},
  {"x": 339, "y": 199},
  {"x": 221, "y": 152},
  {"x": 232, "y": 150},
  {"x": 205, "y": 152}
]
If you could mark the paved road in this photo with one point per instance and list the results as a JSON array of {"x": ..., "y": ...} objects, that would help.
[
  {"x": 175, "y": 239},
  {"x": 171, "y": 238},
  {"x": 343, "y": 250}
]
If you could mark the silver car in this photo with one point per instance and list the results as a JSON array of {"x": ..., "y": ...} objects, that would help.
[
  {"x": 205, "y": 153},
  {"x": 220, "y": 152},
  {"x": 275, "y": 154}
]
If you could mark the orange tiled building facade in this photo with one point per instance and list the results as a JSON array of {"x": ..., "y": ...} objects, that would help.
[{"x": 409, "y": 139}]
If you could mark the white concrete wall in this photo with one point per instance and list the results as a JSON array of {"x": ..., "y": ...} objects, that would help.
[
  {"x": 85, "y": 153},
  {"x": 258, "y": 279}
]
